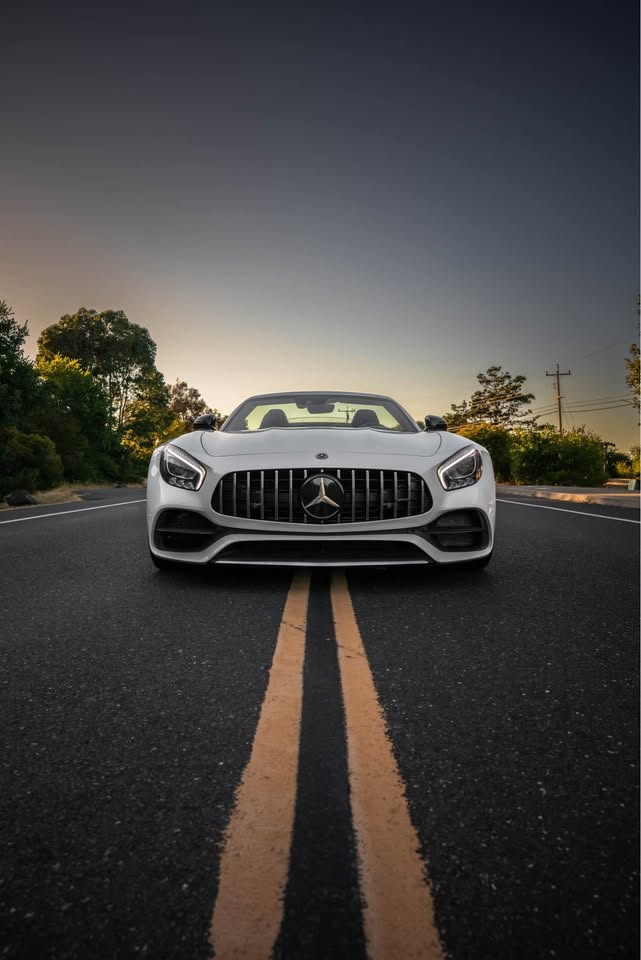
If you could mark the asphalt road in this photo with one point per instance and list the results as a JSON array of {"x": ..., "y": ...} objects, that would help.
[{"x": 131, "y": 699}]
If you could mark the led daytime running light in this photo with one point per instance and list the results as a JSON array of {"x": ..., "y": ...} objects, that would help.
[
  {"x": 450, "y": 475},
  {"x": 181, "y": 470}
]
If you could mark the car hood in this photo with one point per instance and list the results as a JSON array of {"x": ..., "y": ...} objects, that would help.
[{"x": 336, "y": 442}]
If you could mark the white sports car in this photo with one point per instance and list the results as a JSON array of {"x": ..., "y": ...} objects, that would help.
[{"x": 320, "y": 479}]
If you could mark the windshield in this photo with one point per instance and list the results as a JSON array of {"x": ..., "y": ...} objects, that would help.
[{"x": 342, "y": 411}]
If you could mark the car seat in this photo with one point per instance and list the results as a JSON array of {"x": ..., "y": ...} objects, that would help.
[
  {"x": 365, "y": 418},
  {"x": 274, "y": 418}
]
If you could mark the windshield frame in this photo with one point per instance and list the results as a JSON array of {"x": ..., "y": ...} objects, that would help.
[{"x": 406, "y": 422}]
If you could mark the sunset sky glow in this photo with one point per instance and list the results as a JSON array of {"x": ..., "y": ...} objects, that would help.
[{"x": 370, "y": 197}]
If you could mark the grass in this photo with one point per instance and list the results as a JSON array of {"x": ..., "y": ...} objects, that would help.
[{"x": 68, "y": 493}]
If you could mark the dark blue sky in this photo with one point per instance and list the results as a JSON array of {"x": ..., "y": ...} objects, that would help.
[{"x": 369, "y": 196}]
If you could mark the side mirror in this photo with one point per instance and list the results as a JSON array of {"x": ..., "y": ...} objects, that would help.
[
  {"x": 434, "y": 423},
  {"x": 205, "y": 422}
]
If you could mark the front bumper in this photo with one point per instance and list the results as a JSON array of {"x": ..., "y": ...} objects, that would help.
[{"x": 182, "y": 526}]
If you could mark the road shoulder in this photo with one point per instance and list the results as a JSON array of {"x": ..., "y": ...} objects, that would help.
[{"x": 604, "y": 496}]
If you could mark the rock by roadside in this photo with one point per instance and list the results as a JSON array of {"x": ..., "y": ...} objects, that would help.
[{"x": 20, "y": 498}]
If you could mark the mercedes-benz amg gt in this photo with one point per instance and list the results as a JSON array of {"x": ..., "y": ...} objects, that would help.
[{"x": 320, "y": 479}]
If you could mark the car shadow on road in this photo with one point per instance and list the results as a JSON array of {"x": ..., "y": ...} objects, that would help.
[
  {"x": 267, "y": 580},
  {"x": 236, "y": 579},
  {"x": 426, "y": 579}
]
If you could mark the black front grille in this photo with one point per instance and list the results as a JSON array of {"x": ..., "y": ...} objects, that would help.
[{"x": 275, "y": 495}]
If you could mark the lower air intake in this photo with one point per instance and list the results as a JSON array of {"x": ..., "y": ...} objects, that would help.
[
  {"x": 183, "y": 531},
  {"x": 321, "y": 554},
  {"x": 459, "y": 530}
]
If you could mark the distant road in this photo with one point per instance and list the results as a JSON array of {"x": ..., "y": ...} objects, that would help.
[{"x": 131, "y": 706}]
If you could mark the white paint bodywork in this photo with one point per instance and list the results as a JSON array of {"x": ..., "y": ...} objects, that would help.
[{"x": 290, "y": 448}]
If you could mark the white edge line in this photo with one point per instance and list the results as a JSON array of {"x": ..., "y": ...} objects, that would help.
[
  {"x": 596, "y": 516},
  {"x": 60, "y": 513}
]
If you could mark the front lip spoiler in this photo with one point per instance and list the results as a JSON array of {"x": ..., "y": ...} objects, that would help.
[{"x": 324, "y": 563}]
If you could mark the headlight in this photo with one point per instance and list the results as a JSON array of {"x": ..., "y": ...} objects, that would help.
[
  {"x": 461, "y": 470},
  {"x": 179, "y": 469}
]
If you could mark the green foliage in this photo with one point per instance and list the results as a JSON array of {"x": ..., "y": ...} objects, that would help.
[
  {"x": 18, "y": 380},
  {"x": 633, "y": 375},
  {"x": 617, "y": 464},
  {"x": 120, "y": 354},
  {"x": 545, "y": 457},
  {"x": 186, "y": 403},
  {"x": 149, "y": 422},
  {"x": 500, "y": 401},
  {"x": 92, "y": 408},
  {"x": 75, "y": 414},
  {"x": 496, "y": 441},
  {"x": 29, "y": 462}
]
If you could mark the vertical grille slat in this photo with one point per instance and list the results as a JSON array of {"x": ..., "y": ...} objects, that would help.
[
  {"x": 353, "y": 495},
  {"x": 305, "y": 517},
  {"x": 274, "y": 495}
]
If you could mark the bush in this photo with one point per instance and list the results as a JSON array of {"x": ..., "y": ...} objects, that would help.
[
  {"x": 29, "y": 461},
  {"x": 544, "y": 456},
  {"x": 497, "y": 442}
]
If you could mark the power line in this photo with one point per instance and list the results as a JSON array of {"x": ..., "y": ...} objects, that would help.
[
  {"x": 613, "y": 398},
  {"x": 608, "y": 346},
  {"x": 572, "y": 408},
  {"x": 610, "y": 398},
  {"x": 589, "y": 409}
]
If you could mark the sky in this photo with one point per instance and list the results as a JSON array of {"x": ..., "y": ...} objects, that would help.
[{"x": 382, "y": 197}]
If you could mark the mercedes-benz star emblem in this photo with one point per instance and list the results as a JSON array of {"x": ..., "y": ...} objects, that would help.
[
  {"x": 322, "y": 456},
  {"x": 321, "y": 496}
]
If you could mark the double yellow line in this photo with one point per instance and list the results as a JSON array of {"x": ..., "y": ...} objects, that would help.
[{"x": 398, "y": 912}]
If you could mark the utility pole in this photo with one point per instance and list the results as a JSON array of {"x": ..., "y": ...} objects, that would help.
[
  {"x": 558, "y": 375},
  {"x": 347, "y": 410}
]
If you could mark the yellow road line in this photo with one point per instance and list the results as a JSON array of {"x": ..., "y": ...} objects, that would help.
[
  {"x": 398, "y": 910},
  {"x": 255, "y": 857}
]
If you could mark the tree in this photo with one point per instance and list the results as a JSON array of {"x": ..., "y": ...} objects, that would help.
[
  {"x": 458, "y": 416},
  {"x": 545, "y": 456},
  {"x": 499, "y": 401},
  {"x": 75, "y": 414},
  {"x": 117, "y": 352},
  {"x": 633, "y": 375},
  {"x": 18, "y": 379},
  {"x": 186, "y": 404},
  {"x": 149, "y": 421},
  {"x": 29, "y": 461},
  {"x": 496, "y": 440}
]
